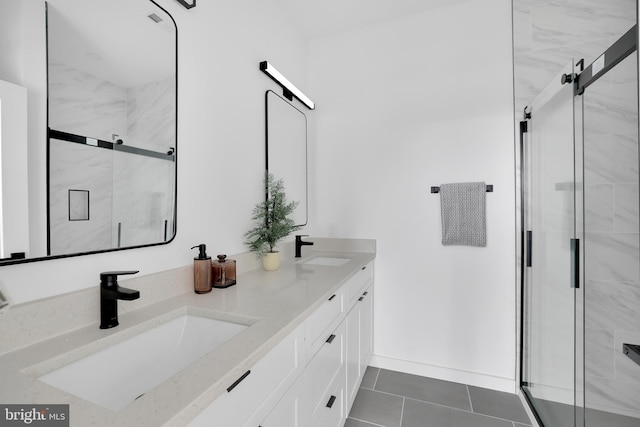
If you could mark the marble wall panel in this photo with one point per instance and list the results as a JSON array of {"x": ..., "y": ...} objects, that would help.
[
  {"x": 599, "y": 207},
  {"x": 568, "y": 22},
  {"x": 612, "y": 305},
  {"x": 626, "y": 208},
  {"x": 152, "y": 115},
  {"x": 612, "y": 257},
  {"x": 84, "y": 105},
  {"x": 599, "y": 361}
]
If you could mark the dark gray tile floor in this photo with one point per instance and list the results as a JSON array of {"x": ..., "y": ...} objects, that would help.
[{"x": 395, "y": 399}]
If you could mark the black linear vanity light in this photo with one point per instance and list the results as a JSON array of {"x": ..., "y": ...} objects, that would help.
[
  {"x": 289, "y": 88},
  {"x": 187, "y": 5}
]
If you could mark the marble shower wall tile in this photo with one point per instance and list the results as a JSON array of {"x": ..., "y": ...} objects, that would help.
[
  {"x": 566, "y": 22},
  {"x": 599, "y": 353},
  {"x": 612, "y": 305},
  {"x": 599, "y": 207},
  {"x": 612, "y": 257},
  {"x": 152, "y": 115},
  {"x": 84, "y": 105},
  {"x": 627, "y": 215},
  {"x": 613, "y": 395},
  {"x": 610, "y": 159}
]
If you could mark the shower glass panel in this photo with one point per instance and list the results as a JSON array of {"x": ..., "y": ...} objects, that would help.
[
  {"x": 549, "y": 352},
  {"x": 612, "y": 248}
]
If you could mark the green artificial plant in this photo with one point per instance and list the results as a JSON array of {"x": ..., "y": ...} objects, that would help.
[{"x": 272, "y": 222}]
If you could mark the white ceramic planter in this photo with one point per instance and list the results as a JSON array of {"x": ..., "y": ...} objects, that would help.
[{"x": 271, "y": 261}]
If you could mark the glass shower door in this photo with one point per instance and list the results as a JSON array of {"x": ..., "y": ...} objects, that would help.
[{"x": 549, "y": 179}]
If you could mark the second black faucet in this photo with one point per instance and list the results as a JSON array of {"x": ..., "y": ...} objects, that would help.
[{"x": 300, "y": 244}]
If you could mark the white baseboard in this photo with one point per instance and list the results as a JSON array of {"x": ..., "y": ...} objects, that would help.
[{"x": 454, "y": 375}]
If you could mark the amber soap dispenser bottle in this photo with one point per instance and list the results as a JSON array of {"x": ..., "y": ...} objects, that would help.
[{"x": 202, "y": 271}]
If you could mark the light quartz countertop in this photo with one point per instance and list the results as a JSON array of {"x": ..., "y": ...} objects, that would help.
[{"x": 272, "y": 303}]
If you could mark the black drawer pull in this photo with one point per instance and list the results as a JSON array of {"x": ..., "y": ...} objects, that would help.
[
  {"x": 238, "y": 381},
  {"x": 364, "y": 268},
  {"x": 365, "y": 294},
  {"x": 332, "y": 399},
  {"x": 361, "y": 298},
  {"x": 332, "y": 297},
  {"x": 331, "y": 338}
]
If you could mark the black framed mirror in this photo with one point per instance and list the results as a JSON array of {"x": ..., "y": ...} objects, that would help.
[
  {"x": 286, "y": 148},
  {"x": 111, "y": 146}
]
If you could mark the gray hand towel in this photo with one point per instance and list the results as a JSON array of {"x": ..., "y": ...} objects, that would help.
[{"x": 463, "y": 207}]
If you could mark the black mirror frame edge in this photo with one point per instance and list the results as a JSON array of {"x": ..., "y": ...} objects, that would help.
[
  {"x": 266, "y": 147},
  {"x": 187, "y": 5},
  {"x": 12, "y": 261}
]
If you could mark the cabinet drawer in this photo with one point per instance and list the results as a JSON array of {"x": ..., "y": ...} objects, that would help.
[
  {"x": 289, "y": 411},
  {"x": 268, "y": 379},
  {"x": 322, "y": 372},
  {"x": 319, "y": 326},
  {"x": 354, "y": 286},
  {"x": 333, "y": 413}
]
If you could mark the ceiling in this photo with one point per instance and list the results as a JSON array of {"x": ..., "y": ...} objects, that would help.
[{"x": 320, "y": 18}]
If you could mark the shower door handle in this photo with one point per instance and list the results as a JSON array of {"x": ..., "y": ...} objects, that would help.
[
  {"x": 575, "y": 263},
  {"x": 529, "y": 259}
]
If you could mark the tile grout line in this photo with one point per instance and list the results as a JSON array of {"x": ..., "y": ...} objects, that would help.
[
  {"x": 375, "y": 383},
  {"x": 442, "y": 406},
  {"x": 469, "y": 396},
  {"x": 366, "y": 422},
  {"x": 404, "y": 399}
]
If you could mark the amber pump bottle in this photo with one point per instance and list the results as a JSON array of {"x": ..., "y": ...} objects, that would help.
[{"x": 202, "y": 271}]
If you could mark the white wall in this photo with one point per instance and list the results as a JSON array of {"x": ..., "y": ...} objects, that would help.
[
  {"x": 14, "y": 200},
  {"x": 403, "y": 106},
  {"x": 220, "y": 136}
]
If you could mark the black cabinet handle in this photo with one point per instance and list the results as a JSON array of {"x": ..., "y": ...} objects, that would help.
[
  {"x": 361, "y": 298},
  {"x": 331, "y": 401},
  {"x": 365, "y": 294},
  {"x": 332, "y": 297},
  {"x": 238, "y": 381},
  {"x": 331, "y": 338},
  {"x": 364, "y": 268}
]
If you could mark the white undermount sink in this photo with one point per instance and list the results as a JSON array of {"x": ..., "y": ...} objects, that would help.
[
  {"x": 328, "y": 261},
  {"x": 119, "y": 374}
]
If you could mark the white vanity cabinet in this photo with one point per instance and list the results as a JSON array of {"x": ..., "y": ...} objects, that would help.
[
  {"x": 259, "y": 388},
  {"x": 290, "y": 411},
  {"x": 310, "y": 379},
  {"x": 359, "y": 342}
]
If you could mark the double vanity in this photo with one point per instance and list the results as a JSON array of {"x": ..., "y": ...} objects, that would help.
[{"x": 284, "y": 348}]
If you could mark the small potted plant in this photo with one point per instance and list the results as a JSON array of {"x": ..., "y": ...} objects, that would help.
[{"x": 272, "y": 223}]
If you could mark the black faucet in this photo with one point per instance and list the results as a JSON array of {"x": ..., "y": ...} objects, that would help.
[
  {"x": 110, "y": 293},
  {"x": 300, "y": 244}
]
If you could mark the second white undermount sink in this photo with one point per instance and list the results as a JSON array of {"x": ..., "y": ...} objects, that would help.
[
  {"x": 327, "y": 261},
  {"x": 123, "y": 372}
]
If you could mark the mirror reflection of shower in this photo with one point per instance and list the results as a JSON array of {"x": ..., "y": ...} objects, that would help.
[{"x": 112, "y": 121}]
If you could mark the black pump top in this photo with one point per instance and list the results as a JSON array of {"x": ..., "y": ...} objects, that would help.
[{"x": 203, "y": 251}]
